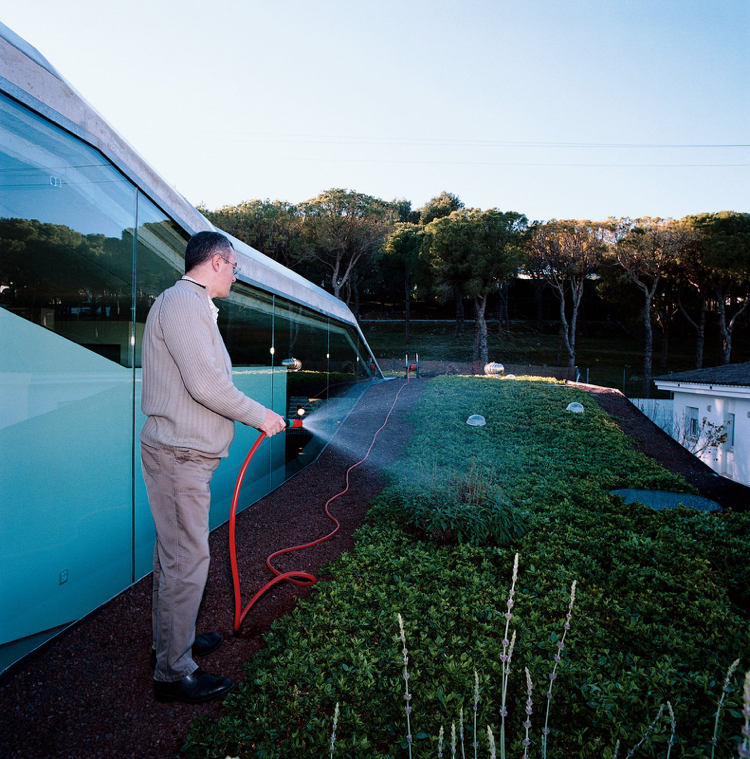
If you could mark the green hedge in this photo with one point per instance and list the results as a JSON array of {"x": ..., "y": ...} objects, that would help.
[{"x": 662, "y": 603}]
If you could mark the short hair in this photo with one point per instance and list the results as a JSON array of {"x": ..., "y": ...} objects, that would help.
[{"x": 202, "y": 245}]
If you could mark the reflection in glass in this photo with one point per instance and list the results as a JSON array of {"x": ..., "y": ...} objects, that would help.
[
  {"x": 160, "y": 262},
  {"x": 66, "y": 235},
  {"x": 66, "y": 382},
  {"x": 301, "y": 340}
]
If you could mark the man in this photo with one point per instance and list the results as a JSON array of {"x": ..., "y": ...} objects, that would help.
[{"x": 191, "y": 404}]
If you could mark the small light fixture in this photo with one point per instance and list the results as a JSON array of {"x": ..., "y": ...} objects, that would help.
[
  {"x": 300, "y": 411},
  {"x": 273, "y": 350}
]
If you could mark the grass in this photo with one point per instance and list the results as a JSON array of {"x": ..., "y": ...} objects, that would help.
[
  {"x": 606, "y": 359},
  {"x": 662, "y": 605}
]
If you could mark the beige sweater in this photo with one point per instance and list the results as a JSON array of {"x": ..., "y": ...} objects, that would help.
[{"x": 188, "y": 394}]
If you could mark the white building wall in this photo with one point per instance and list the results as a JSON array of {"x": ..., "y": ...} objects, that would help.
[
  {"x": 715, "y": 405},
  {"x": 658, "y": 410}
]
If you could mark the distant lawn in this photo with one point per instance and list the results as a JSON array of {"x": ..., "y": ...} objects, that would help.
[{"x": 605, "y": 359}]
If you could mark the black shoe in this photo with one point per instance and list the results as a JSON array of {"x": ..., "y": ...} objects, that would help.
[
  {"x": 206, "y": 644},
  {"x": 203, "y": 645},
  {"x": 193, "y": 689}
]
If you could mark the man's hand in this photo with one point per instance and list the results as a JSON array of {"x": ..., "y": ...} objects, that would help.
[{"x": 273, "y": 423}]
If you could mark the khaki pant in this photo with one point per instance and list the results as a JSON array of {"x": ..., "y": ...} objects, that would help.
[{"x": 177, "y": 482}]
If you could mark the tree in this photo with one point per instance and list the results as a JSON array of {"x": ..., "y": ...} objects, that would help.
[
  {"x": 401, "y": 256},
  {"x": 565, "y": 254},
  {"x": 438, "y": 208},
  {"x": 646, "y": 248},
  {"x": 272, "y": 227},
  {"x": 404, "y": 211},
  {"x": 473, "y": 252},
  {"x": 694, "y": 286},
  {"x": 723, "y": 247},
  {"x": 343, "y": 227},
  {"x": 666, "y": 306}
]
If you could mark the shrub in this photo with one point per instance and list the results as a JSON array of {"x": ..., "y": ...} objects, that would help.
[{"x": 453, "y": 509}]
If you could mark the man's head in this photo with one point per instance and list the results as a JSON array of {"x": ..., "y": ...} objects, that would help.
[{"x": 210, "y": 259}]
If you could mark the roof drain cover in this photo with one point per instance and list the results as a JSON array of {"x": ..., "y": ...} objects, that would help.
[{"x": 476, "y": 420}]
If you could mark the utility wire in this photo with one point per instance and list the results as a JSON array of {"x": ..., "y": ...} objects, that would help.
[{"x": 276, "y": 137}]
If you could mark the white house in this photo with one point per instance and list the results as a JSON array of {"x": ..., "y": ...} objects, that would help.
[{"x": 714, "y": 401}]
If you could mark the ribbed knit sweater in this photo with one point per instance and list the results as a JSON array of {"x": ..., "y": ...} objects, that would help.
[{"x": 188, "y": 394}]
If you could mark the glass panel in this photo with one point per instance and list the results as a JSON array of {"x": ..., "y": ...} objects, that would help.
[
  {"x": 301, "y": 351},
  {"x": 160, "y": 262},
  {"x": 66, "y": 394},
  {"x": 66, "y": 236},
  {"x": 246, "y": 323},
  {"x": 347, "y": 371}
]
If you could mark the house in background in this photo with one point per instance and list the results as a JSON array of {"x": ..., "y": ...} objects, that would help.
[{"x": 706, "y": 400}]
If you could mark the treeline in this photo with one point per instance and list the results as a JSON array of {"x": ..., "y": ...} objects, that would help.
[{"x": 355, "y": 245}]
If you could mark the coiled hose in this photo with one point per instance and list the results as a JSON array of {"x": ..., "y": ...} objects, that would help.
[{"x": 302, "y": 579}]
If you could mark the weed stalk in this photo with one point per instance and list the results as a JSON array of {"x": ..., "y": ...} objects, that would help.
[
  {"x": 527, "y": 723},
  {"x": 491, "y": 739},
  {"x": 724, "y": 691},
  {"x": 476, "y": 708},
  {"x": 673, "y": 728},
  {"x": 647, "y": 733},
  {"x": 505, "y": 657},
  {"x": 553, "y": 674},
  {"x": 744, "y": 748},
  {"x": 333, "y": 731},
  {"x": 407, "y": 695}
]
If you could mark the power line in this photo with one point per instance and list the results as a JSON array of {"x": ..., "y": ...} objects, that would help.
[
  {"x": 276, "y": 137},
  {"x": 505, "y": 163}
]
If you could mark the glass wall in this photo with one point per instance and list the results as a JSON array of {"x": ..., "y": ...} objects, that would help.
[
  {"x": 66, "y": 376},
  {"x": 83, "y": 255}
]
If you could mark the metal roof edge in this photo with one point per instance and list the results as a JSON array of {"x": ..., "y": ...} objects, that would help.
[{"x": 31, "y": 80}]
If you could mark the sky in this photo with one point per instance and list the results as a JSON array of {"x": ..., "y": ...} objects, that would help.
[{"x": 553, "y": 108}]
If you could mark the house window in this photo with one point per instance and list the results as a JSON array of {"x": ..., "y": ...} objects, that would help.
[
  {"x": 729, "y": 423},
  {"x": 691, "y": 422}
]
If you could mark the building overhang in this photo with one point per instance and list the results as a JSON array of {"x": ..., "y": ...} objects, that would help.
[
  {"x": 27, "y": 76},
  {"x": 700, "y": 388}
]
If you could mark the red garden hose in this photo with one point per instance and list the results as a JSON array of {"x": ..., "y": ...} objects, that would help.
[{"x": 303, "y": 579}]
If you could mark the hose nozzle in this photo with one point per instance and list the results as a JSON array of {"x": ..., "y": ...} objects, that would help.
[{"x": 293, "y": 423}]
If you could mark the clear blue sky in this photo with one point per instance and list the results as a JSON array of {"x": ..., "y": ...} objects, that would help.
[{"x": 552, "y": 108}]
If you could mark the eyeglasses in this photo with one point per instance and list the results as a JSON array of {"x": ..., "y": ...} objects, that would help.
[{"x": 235, "y": 268}]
